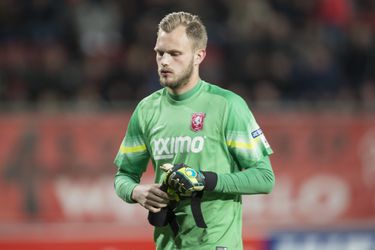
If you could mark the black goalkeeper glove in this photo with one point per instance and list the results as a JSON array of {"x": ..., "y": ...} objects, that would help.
[
  {"x": 182, "y": 181},
  {"x": 186, "y": 181}
]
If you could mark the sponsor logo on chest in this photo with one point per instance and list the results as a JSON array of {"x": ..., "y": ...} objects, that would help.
[{"x": 167, "y": 148}]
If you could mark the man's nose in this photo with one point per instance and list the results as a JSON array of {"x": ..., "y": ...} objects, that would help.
[{"x": 165, "y": 59}]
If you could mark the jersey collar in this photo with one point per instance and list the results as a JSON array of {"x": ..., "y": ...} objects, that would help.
[{"x": 185, "y": 96}]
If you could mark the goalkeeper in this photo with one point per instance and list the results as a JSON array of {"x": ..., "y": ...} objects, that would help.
[{"x": 204, "y": 144}]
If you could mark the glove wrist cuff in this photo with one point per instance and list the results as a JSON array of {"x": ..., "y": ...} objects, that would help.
[{"x": 210, "y": 180}]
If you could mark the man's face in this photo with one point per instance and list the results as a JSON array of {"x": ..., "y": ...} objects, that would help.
[{"x": 175, "y": 58}]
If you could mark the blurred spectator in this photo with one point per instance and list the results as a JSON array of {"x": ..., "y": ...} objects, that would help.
[
  {"x": 97, "y": 51},
  {"x": 98, "y": 26}
]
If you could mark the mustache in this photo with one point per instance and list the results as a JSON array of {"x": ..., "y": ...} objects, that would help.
[{"x": 165, "y": 70}]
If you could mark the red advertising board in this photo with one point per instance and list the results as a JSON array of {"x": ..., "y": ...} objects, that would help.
[
  {"x": 325, "y": 168},
  {"x": 57, "y": 169}
]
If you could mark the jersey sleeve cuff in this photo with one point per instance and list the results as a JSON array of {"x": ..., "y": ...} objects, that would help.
[{"x": 125, "y": 193}]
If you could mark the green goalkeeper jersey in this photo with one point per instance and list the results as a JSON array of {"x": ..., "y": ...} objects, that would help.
[{"x": 209, "y": 129}]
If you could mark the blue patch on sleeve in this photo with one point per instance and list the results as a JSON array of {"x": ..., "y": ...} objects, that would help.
[{"x": 256, "y": 133}]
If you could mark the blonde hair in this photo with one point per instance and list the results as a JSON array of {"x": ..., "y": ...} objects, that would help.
[{"x": 195, "y": 29}]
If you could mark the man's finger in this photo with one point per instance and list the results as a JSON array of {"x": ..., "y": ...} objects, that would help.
[
  {"x": 160, "y": 193},
  {"x": 155, "y": 204},
  {"x": 152, "y": 209},
  {"x": 156, "y": 198}
]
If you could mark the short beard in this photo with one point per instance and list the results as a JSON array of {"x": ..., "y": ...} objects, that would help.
[{"x": 182, "y": 80}]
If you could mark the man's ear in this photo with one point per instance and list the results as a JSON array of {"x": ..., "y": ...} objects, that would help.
[{"x": 200, "y": 54}]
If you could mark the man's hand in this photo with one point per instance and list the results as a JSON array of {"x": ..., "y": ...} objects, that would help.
[
  {"x": 150, "y": 196},
  {"x": 183, "y": 179}
]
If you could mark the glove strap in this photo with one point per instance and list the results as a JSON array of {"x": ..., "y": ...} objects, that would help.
[
  {"x": 210, "y": 184},
  {"x": 160, "y": 219},
  {"x": 210, "y": 180},
  {"x": 197, "y": 210},
  {"x": 164, "y": 217},
  {"x": 172, "y": 219}
]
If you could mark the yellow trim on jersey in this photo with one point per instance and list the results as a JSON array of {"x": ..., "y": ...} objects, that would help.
[
  {"x": 133, "y": 149},
  {"x": 240, "y": 144}
]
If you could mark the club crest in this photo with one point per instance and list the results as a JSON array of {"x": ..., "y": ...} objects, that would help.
[{"x": 197, "y": 120}]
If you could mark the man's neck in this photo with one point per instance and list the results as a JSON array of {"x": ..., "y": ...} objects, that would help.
[{"x": 186, "y": 87}]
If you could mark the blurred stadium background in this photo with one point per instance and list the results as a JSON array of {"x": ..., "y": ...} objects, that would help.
[{"x": 72, "y": 71}]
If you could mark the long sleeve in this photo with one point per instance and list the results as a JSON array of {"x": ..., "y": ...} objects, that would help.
[
  {"x": 124, "y": 185},
  {"x": 254, "y": 180},
  {"x": 250, "y": 150},
  {"x": 131, "y": 160}
]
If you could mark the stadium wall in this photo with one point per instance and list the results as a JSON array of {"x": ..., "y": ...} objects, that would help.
[{"x": 56, "y": 184}]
